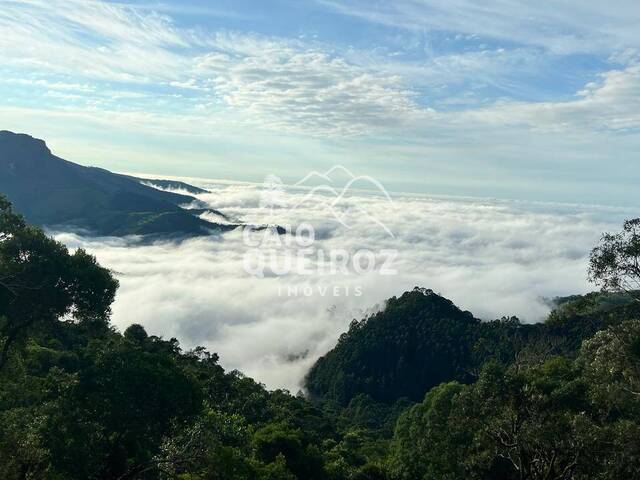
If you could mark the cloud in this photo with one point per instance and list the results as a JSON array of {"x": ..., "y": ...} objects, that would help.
[
  {"x": 285, "y": 85},
  {"x": 118, "y": 60},
  {"x": 275, "y": 83},
  {"x": 613, "y": 104},
  {"x": 162, "y": 72},
  {"x": 571, "y": 26},
  {"x": 90, "y": 39},
  {"x": 492, "y": 257}
]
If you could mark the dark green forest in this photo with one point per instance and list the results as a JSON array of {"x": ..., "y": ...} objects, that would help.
[
  {"x": 92, "y": 199},
  {"x": 422, "y": 339},
  {"x": 421, "y": 390}
]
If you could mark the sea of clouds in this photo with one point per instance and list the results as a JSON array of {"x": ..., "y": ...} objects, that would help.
[{"x": 492, "y": 257}]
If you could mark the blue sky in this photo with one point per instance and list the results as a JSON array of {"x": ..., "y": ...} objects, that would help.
[{"x": 499, "y": 98}]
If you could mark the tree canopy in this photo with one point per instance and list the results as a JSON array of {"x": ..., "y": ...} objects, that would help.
[
  {"x": 615, "y": 262},
  {"x": 422, "y": 390}
]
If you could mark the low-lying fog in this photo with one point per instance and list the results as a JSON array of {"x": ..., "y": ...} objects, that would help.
[{"x": 493, "y": 258}]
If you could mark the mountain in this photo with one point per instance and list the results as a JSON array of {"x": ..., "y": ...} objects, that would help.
[
  {"x": 54, "y": 192},
  {"x": 418, "y": 341},
  {"x": 422, "y": 339}
]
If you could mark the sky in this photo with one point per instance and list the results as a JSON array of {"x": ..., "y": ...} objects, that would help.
[{"x": 496, "y": 98}]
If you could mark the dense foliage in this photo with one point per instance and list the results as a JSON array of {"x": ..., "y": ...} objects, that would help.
[
  {"x": 559, "y": 419},
  {"x": 422, "y": 339},
  {"x": 615, "y": 263},
  {"x": 78, "y": 400}
]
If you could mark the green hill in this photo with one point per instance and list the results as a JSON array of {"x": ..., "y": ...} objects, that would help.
[
  {"x": 421, "y": 339},
  {"x": 53, "y": 192}
]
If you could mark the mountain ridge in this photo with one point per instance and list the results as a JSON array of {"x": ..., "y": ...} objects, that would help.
[
  {"x": 421, "y": 339},
  {"x": 51, "y": 191}
]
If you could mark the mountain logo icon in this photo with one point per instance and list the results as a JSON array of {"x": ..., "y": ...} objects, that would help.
[{"x": 326, "y": 189}]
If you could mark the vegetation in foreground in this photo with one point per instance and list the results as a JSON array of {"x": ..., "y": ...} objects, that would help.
[{"x": 420, "y": 391}]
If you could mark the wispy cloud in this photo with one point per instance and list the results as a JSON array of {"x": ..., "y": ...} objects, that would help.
[
  {"x": 613, "y": 103},
  {"x": 89, "y": 39},
  {"x": 568, "y": 26},
  {"x": 452, "y": 88},
  {"x": 285, "y": 84},
  {"x": 275, "y": 83}
]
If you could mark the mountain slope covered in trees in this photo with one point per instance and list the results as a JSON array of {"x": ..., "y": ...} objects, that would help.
[
  {"x": 51, "y": 191},
  {"x": 79, "y": 400},
  {"x": 421, "y": 339}
]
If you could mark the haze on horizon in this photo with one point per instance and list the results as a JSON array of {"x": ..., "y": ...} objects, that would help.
[{"x": 500, "y": 99}]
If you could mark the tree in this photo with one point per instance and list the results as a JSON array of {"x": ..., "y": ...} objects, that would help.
[
  {"x": 133, "y": 395},
  {"x": 612, "y": 364},
  {"x": 425, "y": 444},
  {"x": 136, "y": 333},
  {"x": 615, "y": 263},
  {"x": 275, "y": 439},
  {"x": 42, "y": 283},
  {"x": 532, "y": 421}
]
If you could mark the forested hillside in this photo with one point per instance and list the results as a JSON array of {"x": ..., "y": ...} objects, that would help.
[
  {"x": 51, "y": 191},
  {"x": 79, "y": 400},
  {"x": 421, "y": 339}
]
